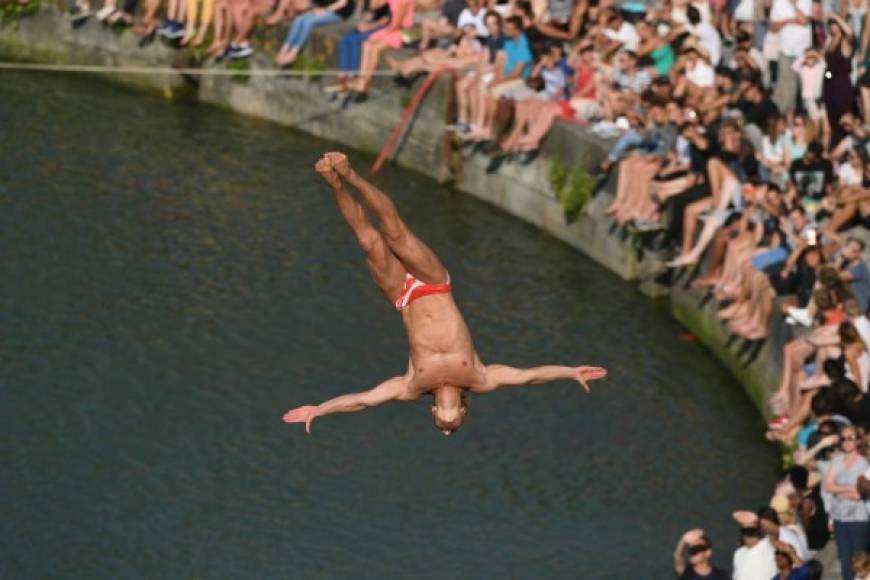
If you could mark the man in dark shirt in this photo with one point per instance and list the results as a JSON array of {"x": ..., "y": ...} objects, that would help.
[
  {"x": 444, "y": 26},
  {"x": 854, "y": 271},
  {"x": 755, "y": 104},
  {"x": 810, "y": 509},
  {"x": 700, "y": 551},
  {"x": 799, "y": 279},
  {"x": 812, "y": 174}
]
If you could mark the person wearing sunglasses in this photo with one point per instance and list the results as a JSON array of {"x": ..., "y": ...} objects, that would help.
[
  {"x": 754, "y": 559},
  {"x": 692, "y": 558},
  {"x": 847, "y": 509}
]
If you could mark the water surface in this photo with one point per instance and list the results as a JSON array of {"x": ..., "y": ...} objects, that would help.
[{"x": 174, "y": 278}]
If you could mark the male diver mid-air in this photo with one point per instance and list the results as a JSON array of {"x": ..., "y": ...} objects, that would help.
[{"x": 443, "y": 361}]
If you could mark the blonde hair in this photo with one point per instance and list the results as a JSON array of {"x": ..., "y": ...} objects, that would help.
[
  {"x": 810, "y": 128},
  {"x": 849, "y": 335},
  {"x": 860, "y": 438},
  {"x": 448, "y": 428},
  {"x": 861, "y": 563},
  {"x": 786, "y": 518}
]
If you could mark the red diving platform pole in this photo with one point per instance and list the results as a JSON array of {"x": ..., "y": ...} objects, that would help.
[{"x": 409, "y": 111}]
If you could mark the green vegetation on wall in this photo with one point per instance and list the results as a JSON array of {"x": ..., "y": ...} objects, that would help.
[
  {"x": 242, "y": 66},
  {"x": 12, "y": 10},
  {"x": 573, "y": 187},
  {"x": 312, "y": 64}
]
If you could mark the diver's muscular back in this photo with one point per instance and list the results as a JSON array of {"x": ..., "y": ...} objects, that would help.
[{"x": 441, "y": 348}]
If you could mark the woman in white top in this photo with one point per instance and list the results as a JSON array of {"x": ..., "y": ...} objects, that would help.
[
  {"x": 856, "y": 355},
  {"x": 775, "y": 155},
  {"x": 851, "y": 171}
]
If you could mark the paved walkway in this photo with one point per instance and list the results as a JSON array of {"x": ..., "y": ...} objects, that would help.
[{"x": 828, "y": 558}]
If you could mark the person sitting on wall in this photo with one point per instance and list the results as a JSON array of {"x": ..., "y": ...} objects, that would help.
[{"x": 324, "y": 13}]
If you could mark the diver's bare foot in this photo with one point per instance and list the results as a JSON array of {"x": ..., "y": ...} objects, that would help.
[
  {"x": 339, "y": 163},
  {"x": 324, "y": 168}
]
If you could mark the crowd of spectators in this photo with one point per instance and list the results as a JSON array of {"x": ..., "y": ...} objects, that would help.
[
  {"x": 740, "y": 143},
  {"x": 822, "y": 497}
]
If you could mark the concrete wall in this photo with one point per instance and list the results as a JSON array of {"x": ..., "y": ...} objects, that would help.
[{"x": 758, "y": 366}]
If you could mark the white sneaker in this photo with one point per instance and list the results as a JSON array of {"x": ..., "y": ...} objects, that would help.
[
  {"x": 647, "y": 226},
  {"x": 238, "y": 51},
  {"x": 801, "y": 316},
  {"x": 605, "y": 129},
  {"x": 105, "y": 12}
]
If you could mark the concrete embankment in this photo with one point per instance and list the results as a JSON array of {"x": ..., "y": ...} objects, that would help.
[{"x": 525, "y": 191}]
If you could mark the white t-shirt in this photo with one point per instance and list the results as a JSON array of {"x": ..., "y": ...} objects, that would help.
[
  {"x": 847, "y": 175},
  {"x": 756, "y": 563},
  {"x": 702, "y": 75},
  {"x": 477, "y": 20},
  {"x": 866, "y": 475},
  {"x": 708, "y": 39},
  {"x": 760, "y": 61},
  {"x": 864, "y": 369},
  {"x": 745, "y": 11},
  {"x": 626, "y": 35},
  {"x": 774, "y": 152},
  {"x": 794, "y": 39},
  {"x": 862, "y": 325},
  {"x": 794, "y": 536}
]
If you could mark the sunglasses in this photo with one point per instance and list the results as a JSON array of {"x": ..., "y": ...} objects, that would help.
[
  {"x": 698, "y": 549},
  {"x": 849, "y": 438}
]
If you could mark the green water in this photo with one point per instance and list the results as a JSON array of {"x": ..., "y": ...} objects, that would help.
[{"x": 173, "y": 278}]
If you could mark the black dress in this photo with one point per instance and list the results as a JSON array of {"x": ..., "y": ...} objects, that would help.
[{"x": 837, "y": 91}]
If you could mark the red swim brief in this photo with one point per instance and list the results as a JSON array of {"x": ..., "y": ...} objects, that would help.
[{"x": 414, "y": 289}]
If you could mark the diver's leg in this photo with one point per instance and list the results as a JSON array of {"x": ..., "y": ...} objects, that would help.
[
  {"x": 386, "y": 269},
  {"x": 418, "y": 259}
]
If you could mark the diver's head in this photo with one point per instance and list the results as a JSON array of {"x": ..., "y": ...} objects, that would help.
[{"x": 449, "y": 408}]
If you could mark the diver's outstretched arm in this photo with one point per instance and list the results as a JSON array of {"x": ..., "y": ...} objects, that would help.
[
  {"x": 390, "y": 390},
  {"x": 504, "y": 376}
]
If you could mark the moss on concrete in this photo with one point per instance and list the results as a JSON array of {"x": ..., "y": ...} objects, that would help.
[{"x": 712, "y": 334}]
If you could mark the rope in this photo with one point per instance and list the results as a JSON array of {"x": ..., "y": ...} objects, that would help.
[{"x": 147, "y": 70}]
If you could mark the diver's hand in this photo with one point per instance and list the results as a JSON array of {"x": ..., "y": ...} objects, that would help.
[
  {"x": 584, "y": 374},
  {"x": 304, "y": 414}
]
